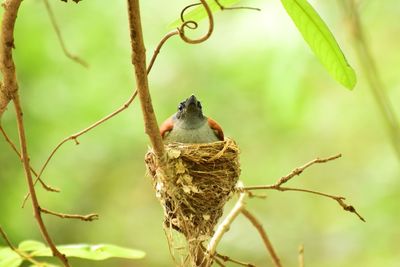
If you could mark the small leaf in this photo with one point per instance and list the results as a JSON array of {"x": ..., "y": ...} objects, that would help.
[
  {"x": 198, "y": 13},
  {"x": 322, "y": 42},
  {"x": 8, "y": 258},
  {"x": 93, "y": 252},
  {"x": 30, "y": 245}
]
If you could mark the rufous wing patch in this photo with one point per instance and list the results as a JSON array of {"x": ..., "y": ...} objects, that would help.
[
  {"x": 217, "y": 129},
  {"x": 166, "y": 127}
]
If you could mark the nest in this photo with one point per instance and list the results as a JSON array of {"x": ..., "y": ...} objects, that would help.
[{"x": 195, "y": 184}]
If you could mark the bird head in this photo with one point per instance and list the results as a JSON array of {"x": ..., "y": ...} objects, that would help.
[{"x": 190, "y": 109}]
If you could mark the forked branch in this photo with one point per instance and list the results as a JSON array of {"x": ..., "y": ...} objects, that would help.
[
  {"x": 10, "y": 90},
  {"x": 278, "y": 185}
]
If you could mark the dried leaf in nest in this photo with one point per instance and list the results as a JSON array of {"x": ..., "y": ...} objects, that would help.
[{"x": 195, "y": 185}]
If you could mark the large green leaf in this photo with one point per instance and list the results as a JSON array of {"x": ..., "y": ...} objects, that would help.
[
  {"x": 8, "y": 258},
  {"x": 92, "y": 252},
  {"x": 198, "y": 13},
  {"x": 322, "y": 42}
]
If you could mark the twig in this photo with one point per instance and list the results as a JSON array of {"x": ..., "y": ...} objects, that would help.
[
  {"x": 10, "y": 87},
  {"x": 301, "y": 256},
  {"x": 298, "y": 171},
  {"x": 60, "y": 38},
  {"x": 111, "y": 115},
  {"x": 19, "y": 252},
  {"x": 158, "y": 48},
  {"x": 5, "y": 237},
  {"x": 28, "y": 174},
  {"x": 372, "y": 74},
  {"x": 193, "y": 25},
  {"x": 227, "y": 258},
  {"x": 14, "y": 148},
  {"x": 78, "y": 134},
  {"x": 139, "y": 62},
  {"x": 237, "y": 7},
  {"x": 263, "y": 234},
  {"x": 223, "y": 227},
  {"x": 87, "y": 218}
]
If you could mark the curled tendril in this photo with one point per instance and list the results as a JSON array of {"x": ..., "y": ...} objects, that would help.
[
  {"x": 192, "y": 25},
  {"x": 185, "y": 9}
]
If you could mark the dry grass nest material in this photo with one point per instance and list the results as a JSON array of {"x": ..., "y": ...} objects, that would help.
[{"x": 195, "y": 185}]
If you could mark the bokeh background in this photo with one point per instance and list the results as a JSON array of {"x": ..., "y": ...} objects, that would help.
[{"x": 258, "y": 78}]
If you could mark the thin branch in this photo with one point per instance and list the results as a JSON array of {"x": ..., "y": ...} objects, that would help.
[
  {"x": 78, "y": 134},
  {"x": 227, "y": 258},
  {"x": 5, "y": 237},
  {"x": 112, "y": 114},
  {"x": 60, "y": 38},
  {"x": 224, "y": 226},
  {"x": 372, "y": 73},
  {"x": 263, "y": 234},
  {"x": 298, "y": 171},
  {"x": 139, "y": 62},
  {"x": 301, "y": 256},
  {"x": 14, "y": 148},
  {"x": 22, "y": 254},
  {"x": 28, "y": 174},
  {"x": 87, "y": 218},
  {"x": 158, "y": 48},
  {"x": 236, "y": 7},
  {"x": 10, "y": 88},
  {"x": 193, "y": 25}
]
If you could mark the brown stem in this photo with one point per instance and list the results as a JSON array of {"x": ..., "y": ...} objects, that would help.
[
  {"x": 60, "y": 38},
  {"x": 263, "y": 234},
  {"x": 139, "y": 62},
  {"x": 28, "y": 174},
  {"x": 298, "y": 171},
  {"x": 111, "y": 115},
  {"x": 87, "y": 218},
  {"x": 10, "y": 90},
  {"x": 9, "y": 86},
  {"x": 338, "y": 199}
]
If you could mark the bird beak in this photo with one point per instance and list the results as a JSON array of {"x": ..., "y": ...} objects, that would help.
[{"x": 191, "y": 101}]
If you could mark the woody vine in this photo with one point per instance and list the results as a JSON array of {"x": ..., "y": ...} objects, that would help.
[{"x": 9, "y": 95}]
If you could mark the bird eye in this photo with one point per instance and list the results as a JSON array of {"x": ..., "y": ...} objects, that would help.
[
  {"x": 198, "y": 104},
  {"x": 180, "y": 107}
]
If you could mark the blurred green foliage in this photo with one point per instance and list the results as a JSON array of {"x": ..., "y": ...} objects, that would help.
[{"x": 258, "y": 79}]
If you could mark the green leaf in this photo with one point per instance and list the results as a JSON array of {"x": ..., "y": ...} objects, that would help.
[
  {"x": 322, "y": 42},
  {"x": 92, "y": 252},
  {"x": 198, "y": 13},
  {"x": 30, "y": 245},
  {"x": 8, "y": 258}
]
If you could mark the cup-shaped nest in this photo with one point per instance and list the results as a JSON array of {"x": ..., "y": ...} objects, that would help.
[{"x": 194, "y": 184}]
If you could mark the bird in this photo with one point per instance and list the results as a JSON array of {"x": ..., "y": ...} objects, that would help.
[{"x": 189, "y": 125}]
